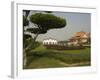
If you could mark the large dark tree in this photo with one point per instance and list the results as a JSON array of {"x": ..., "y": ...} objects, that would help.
[{"x": 43, "y": 22}]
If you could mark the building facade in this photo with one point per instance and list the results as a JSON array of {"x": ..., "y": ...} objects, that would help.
[
  {"x": 50, "y": 41},
  {"x": 79, "y": 38}
]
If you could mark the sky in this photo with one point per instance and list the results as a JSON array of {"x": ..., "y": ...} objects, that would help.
[{"x": 76, "y": 22}]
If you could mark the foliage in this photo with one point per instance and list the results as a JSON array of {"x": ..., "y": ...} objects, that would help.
[
  {"x": 26, "y": 12},
  {"x": 27, "y": 42},
  {"x": 42, "y": 58},
  {"x": 25, "y": 21},
  {"x": 48, "y": 11},
  {"x": 64, "y": 56},
  {"x": 36, "y": 30},
  {"x": 45, "y": 22}
]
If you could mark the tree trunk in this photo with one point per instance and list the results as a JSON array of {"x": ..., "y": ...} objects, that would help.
[
  {"x": 26, "y": 50},
  {"x": 24, "y": 59},
  {"x": 32, "y": 42}
]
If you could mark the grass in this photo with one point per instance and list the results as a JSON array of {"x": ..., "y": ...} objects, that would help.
[
  {"x": 41, "y": 57},
  {"x": 45, "y": 62}
]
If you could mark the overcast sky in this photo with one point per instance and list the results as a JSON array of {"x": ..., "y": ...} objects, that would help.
[{"x": 75, "y": 22}]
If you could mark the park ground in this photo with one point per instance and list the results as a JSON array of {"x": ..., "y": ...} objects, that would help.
[{"x": 41, "y": 57}]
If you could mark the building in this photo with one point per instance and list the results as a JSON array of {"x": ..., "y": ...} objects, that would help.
[
  {"x": 83, "y": 36},
  {"x": 79, "y": 38},
  {"x": 62, "y": 43},
  {"x": 73, "y": 42},
  {"x": 50, "y": 41}
]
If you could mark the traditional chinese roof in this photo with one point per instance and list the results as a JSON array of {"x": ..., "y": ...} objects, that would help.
[{"x": 80, "y": 34}]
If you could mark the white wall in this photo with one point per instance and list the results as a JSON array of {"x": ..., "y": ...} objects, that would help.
[{"x": 5, "y": 39}]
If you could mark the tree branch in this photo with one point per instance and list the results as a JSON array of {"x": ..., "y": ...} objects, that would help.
[{"x": 32, "y": 42}]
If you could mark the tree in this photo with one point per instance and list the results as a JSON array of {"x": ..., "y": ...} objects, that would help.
[
  {"x": 43, "y": 22},
  {"x": 25, "y": 36},
  {"x": 25, "y": 20}
]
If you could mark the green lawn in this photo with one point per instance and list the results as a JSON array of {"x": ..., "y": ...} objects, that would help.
[
  {"x": 45, "y": 62},
  {"x": 41, "y": 57}
]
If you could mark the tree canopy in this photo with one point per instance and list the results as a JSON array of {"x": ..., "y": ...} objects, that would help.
[{"x": 45, "y": 22}]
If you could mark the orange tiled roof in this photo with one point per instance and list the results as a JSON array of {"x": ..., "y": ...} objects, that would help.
[{"x": 80, "y": 34}]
